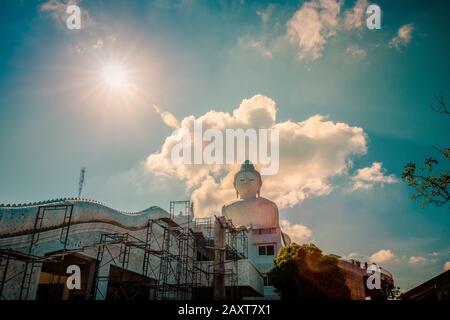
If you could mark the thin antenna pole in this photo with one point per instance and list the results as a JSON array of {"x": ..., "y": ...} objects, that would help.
[{"x": 81, "y": 181}]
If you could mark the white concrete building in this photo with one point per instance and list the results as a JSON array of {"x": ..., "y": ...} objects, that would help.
[{"x": 117, "y": 250}]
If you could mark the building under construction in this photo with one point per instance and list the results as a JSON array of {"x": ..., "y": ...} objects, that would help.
[{"x": 149, "y": 255}]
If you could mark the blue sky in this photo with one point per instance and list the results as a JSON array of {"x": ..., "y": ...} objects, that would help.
[{"x": 191, "y": 57}]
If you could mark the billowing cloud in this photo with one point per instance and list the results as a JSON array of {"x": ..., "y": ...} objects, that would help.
[
  {"x": 297, "y": 232},
  {"x": 310, "y": 153},
  {"x": 403, "y": 37},
  {"x": 58, "y": 10},
  {"x": 417, "y": 260},
  {"x": 356, "y": 52},
  {"x": 312, "y": 25},
  {"x": 367, "y": 178},
  {"x": 447, "y": 265},
  {"x": 355, "y": 17},
  {"x": 382, "y": 256}
]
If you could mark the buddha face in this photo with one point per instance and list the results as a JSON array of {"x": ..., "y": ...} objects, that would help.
[{"x": 247, "y": 184}]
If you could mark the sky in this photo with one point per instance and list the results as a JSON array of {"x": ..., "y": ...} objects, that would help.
[{"x": 352, "y": 106}]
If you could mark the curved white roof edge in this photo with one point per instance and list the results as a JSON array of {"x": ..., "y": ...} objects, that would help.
[{"x": 72, "y": 200}]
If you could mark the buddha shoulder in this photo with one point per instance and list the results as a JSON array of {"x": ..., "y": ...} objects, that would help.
[{"x": 251, "y": 202}]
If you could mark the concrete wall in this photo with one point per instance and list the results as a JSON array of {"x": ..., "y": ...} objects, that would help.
[
  {"x": 250, "y": 276},
  {"x": 264, "y": 263},
  {"x": 354, "y": 279}
]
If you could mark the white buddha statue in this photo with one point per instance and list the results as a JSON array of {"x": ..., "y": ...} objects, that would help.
[
  {"x": 251, "y": 210},
  {"x": 259, "y": 216}
]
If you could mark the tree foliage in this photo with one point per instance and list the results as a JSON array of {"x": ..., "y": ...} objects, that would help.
[
  {"x": 431, "y": 181},
  {"x": 304, "y": 273},
  {"x": 392, "y": 292}
]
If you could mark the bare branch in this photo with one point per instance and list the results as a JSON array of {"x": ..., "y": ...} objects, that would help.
[{"x": 441, "y": 106}]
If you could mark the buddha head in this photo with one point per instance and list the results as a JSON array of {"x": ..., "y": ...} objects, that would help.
[{"x": 247, "y": 181}]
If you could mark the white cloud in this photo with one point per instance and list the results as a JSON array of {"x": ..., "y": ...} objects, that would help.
[
  {"x": 447, "y": 266},
  {"x": 297, "y": 232},
  {"x": 368, "y": 177},
  {"x": 266, "y": 14},
  {"x": 99, "y": 44},
  {"x": 355, "y": 17},
  {"x": 434, "y": 258},
  {"x": 357, "y": 52},
  {"x": 75, "y": 49},
  {"x": 386, "y": 255},
  {"x": 403, "y": 38},
  {"x": 417, "y": 260},
  {"x": 355, "y": 256},
  {"x": 259, "y": 46},
  {"x": 58, "y": 10},
  {"x": 312, "y": 25},
  {"x": 311, "y": 152},
  {"x": 351, "y": 256},
  {"x": 57, "y": 5},
  {"x": 382, "y": 256}
]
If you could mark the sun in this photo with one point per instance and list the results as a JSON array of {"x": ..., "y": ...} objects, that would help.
[{"x": 115, "y": 76}]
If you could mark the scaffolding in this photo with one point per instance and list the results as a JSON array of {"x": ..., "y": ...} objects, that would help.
[
  {"x": 172, "y": 243},
  {"x": 30, "y": 259},
  {"x": 236, "y": 248},
  {"x": 177, "y": 257},
  {"x": 204, "y": 267},
  {"x": 9, "y": 255},
  {"x": 178, "y": 269},
  {"x": 107, "y": 256},
  {"x": 233, "y": 247}
]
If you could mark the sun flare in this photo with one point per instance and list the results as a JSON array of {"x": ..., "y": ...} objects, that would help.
[{"x": 115, "y": 76}]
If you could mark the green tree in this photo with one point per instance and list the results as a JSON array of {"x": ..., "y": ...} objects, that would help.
[
  {"x": 392, "y": 293},
  {"x": 431, "y": 181},
  {"x": 304, "y": 273}
]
